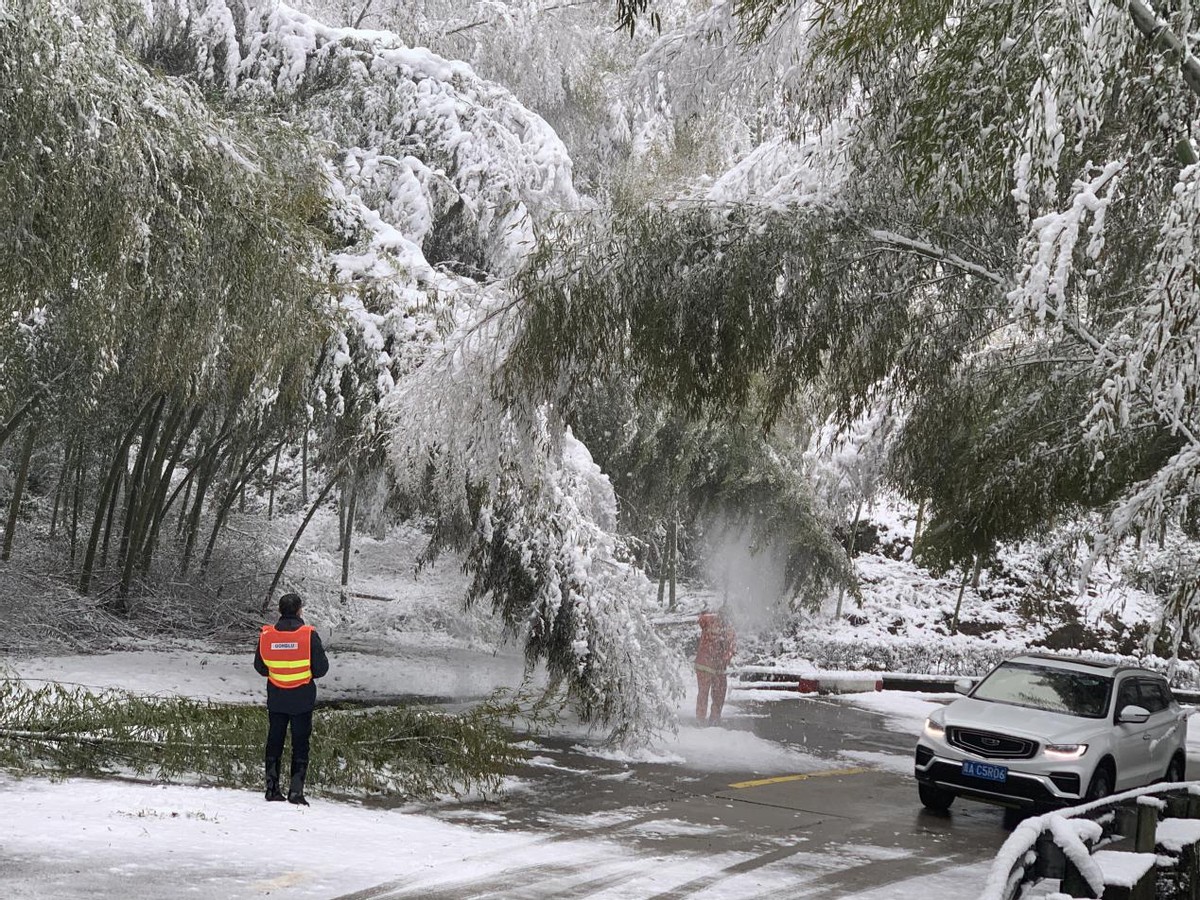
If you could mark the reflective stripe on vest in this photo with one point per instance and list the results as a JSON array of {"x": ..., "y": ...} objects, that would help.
[{"x": 287, "y": 654}]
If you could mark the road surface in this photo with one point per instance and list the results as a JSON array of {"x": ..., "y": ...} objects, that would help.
[{"x": 838, "y": 829}]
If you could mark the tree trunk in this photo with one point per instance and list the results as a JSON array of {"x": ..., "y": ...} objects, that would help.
[
  {"x": 113, "y": 499},
  {"x": 919, "y": 527},
  {"x": 274, "y": 478},
  {"x": 296, "y": 537},
  {"x": 107, "y": 489},
  {"x": 304, "y": 466},
  {"x": 160, "y": 505},
  {"x": 662, "y": 573},
  {"x": 144, "y": 497},
  {"x": 1158, "y": 32},
  {"x": 852, "y": 549},
  {"x": 850, "y": 554},
  {"x": 347, "y": 538},
  {"x": 14, "y": 509},
  {"x": 976, "y": 570},
  {"x": 137, "y": 486},
  {"x": 60, "y": 492},
  {"x": 341, "y": 507},
  {"x": 207, "y": 469},
  {"x": 674, "y": 563},
  {"x": 958, "y": 604},
  {"x": 17, "y": 418},
  {"x": 250, "y": 465},
  {"x": 187, "y": 498},
  {"x": 76, "y": 501},
  {"x": 213, "y": 459},
  {"x": 202, "y": 466}
]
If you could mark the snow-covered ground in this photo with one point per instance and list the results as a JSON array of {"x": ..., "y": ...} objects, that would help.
[
  {"x": 86, "y": 839},
  {"x": 77, "y": 837},
  {"x": 397, "y": 632}
]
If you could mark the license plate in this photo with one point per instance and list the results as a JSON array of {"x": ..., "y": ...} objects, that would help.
[{"x": 986, "y": 771}]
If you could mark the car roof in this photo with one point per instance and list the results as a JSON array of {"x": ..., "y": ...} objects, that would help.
[{"x": 1077, "y": 664}]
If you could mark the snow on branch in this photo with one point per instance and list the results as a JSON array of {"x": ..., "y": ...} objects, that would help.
[
  {"x": 1049, "y": 248},
  {"x": 931, "y": 251},
  {"x": 485, "y": 166}
]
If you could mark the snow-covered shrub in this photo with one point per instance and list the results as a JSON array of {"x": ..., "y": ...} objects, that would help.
[{"x": 921, "y": 656}]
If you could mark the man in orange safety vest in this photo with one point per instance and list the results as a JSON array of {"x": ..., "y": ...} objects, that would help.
[{"x": 290, "y": 655}]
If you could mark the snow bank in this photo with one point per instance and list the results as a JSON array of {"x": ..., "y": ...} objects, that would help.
[
  {"x": 144, "y": 841},
  {"x": 716, "y": 750}
]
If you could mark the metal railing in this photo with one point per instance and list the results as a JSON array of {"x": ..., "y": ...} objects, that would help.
[{"x": 1060, "y": 845}]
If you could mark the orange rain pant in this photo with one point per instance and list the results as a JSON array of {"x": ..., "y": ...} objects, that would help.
[{"x": 717, "y": 685}]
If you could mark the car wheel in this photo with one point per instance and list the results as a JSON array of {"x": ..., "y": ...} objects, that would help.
[
  {"x": 934, "y": 797},
  {"x": 1175, "y": 770},
  {"x": 1102, "y": 782}
]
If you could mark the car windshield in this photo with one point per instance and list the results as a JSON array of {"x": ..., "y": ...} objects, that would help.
[{"x": 1040, "y": 687}]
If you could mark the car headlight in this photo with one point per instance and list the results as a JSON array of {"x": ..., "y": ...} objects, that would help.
[
  {"x": 934, "y": 729},
  {"x": 1066, "y": 751}
]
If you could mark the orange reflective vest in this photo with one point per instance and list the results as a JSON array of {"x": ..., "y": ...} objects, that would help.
[
  {"x": 288, "y": 655},
  {"x": 717, "y": 643}
]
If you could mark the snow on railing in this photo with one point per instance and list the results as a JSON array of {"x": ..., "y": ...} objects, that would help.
[{"x": 1071, "y": 830}]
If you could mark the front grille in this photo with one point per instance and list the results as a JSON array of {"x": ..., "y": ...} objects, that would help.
[{"x": 990, "y": 745}]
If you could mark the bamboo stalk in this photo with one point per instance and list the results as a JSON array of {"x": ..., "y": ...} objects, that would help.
[
  {"x": 60, "y": 490},
  {"x": 77, "y": 500},
  {"x": 106, "y": 490},
  {"x": 296, "y": 537},
  {"x": 161, "y": 505},
  {"x": 133, "y": 502},
  {"x": 274, "y": 476},
  {"x": 249, "y": 467},
  {"x": 349, "y": 531},
  {"x": 14, "y": 509}
]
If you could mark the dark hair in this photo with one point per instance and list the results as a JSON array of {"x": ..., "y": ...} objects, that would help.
[{"x": 289, "y": 604}]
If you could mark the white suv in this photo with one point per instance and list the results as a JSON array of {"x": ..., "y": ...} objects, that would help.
[{"x": 1047, "y": 731}]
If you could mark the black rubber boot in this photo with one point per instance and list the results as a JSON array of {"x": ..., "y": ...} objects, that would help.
[
  {"x": 296, "y": 790},
  {"x": 273, "y": 792}
]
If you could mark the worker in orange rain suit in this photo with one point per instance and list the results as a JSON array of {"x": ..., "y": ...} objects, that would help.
[
  {"x": 717, "y": 644},
  {"x": 290, "y": 654}
]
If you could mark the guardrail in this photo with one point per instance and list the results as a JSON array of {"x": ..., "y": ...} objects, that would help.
[
  {"x": 1139, "y": 845},
  {"x": 814, "y": 681},
  {"x": 808, "y": 680}
]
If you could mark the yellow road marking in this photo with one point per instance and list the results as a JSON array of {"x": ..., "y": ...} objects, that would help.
[{"x": 782, "y": 778}]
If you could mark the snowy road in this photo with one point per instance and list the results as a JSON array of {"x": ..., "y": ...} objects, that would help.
[{"x": 798, "y": 798}]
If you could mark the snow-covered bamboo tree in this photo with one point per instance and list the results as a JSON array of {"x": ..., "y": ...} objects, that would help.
[
  {"x": 121, "y": 187},
  {"x": 1003, "y": 188},
  {"x": 440, "y": 183}
]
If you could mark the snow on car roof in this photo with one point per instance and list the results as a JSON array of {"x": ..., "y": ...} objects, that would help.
[{"x": 1080, "y": 665}]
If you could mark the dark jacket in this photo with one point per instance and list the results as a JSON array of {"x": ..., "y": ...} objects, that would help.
[{"x": 294, "y": 701}]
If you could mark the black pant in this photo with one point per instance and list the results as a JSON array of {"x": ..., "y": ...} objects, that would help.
[{"x": 301, "y": 731}]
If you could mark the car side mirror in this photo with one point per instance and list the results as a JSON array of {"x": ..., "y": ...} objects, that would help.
[
  {"x": 964, "y": 685},
  {"x": 1133, "y": 715}
]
